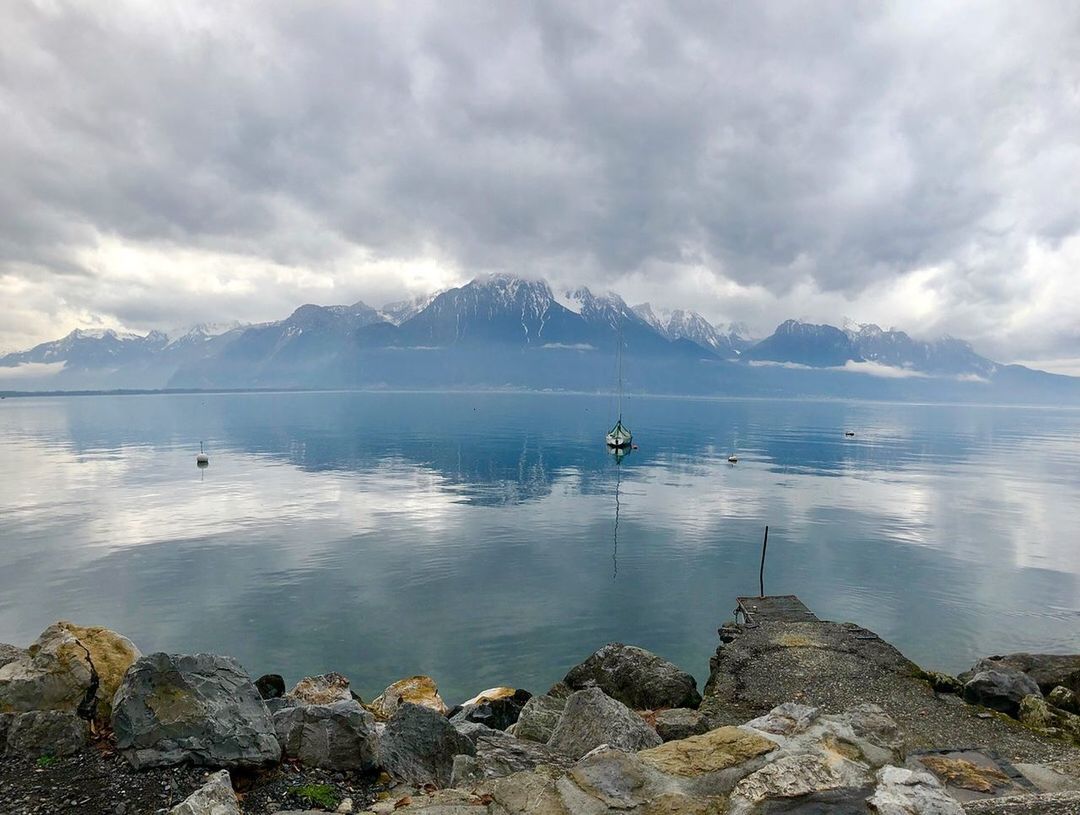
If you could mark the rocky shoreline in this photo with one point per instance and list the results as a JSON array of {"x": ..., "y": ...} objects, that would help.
[{"x": 796, "y": 717}]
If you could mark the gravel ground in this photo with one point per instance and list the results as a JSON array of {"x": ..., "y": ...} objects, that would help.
[{"x": 99, "y": 782}]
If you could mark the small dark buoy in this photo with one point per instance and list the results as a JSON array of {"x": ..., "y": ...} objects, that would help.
[
  {"x": 633, "y": 447},
  {"x": 849, "y": 432}
]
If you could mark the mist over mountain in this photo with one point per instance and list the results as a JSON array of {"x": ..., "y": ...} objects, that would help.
[{"x": 503, "y": 331}]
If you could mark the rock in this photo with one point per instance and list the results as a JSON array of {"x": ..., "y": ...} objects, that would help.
[
  {"x": 710, "y": 752},
  {"x": 499, "y": 754},
  {"x": 592, "y": 718},
  {"x": 324, "y": 689},
  {"x": 680, "y": 723},
  {"x": 534, "y": 793},
  {"x": 497, "y": 708},
  {"x": 46, "y": 733},
  {"x": 942, "y": 682},
  {"x": 538, "y": 718},
  {"x": 417, "y": 690},
  {"x": 9, "y": 653},
  {"x": 215, "y": 797},
  {"x": 69, "y": 667},
  {"x": 1065, "y": 699},
  {"x": 1036, "y": 712},
  {"x": 790, "y": 777},
  {"x": 785, "y": 720},
  {"x": 338, "y": 736},
  {"x": 1048, "y": 670},
  {"x": 270, "y": 686},
  {"x": 1056, "y": 803},
  {"x": 201, "y": 708},
  {"x": 1000, "y": 689},
  {"x": 904, "y": 792},
  {"x": 639, "y": 679},
  {"x": 5, "y": 724},
  {"x": 419, "y": 745}
]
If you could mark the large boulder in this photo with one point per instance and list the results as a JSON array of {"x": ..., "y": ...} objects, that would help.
[
  {"x": 416, "y": 690},
  {"x": 201, "y": 708},
  {"x": 497, "y": 708},
  {"x": 69, "y": 667},
  {"x": 419, "y": 744},
  {"x": 711, "y": 752},
  {"x": 499, "y": 754},
  {"x": 537, "y": 719},
  {"x": 46, "y": 733},
  {"x": 1001, "y": 689},
  {"x": 1048, "y": 670},
  {"x": 592, "y": 718},
  {"x": 339, "y": 736},
  {"x": 215, "y": 797},
  {"x": 636, "y": 677},
  {"x": 1065, "y": 699}
]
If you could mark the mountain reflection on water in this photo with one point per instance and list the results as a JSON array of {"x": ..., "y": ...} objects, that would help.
[{"x": 492, "y": 539}]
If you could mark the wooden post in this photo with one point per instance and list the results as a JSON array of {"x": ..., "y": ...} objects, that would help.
[{"x": 761, "y": 574}]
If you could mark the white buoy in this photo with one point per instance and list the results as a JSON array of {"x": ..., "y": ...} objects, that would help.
[
  {"x": 202, "y": 459},
  {"x": 732, "y": 458}
]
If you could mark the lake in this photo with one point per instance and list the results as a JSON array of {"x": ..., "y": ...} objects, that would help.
[{"x": 489, "y": 539}]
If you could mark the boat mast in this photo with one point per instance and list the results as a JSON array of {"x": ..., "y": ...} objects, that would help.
[{"x": 619, "y": 358}]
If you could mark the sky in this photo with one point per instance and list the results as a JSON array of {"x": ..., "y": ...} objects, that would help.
[{"x": 909, "y": 164}]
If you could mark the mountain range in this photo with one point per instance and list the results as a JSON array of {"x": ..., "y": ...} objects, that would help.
[{"x": 506, "y": 331}]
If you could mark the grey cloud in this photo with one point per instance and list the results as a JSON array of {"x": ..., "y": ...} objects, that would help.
[{"x": 770, "y": 143}]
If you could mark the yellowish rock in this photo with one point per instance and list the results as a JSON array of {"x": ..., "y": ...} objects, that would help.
[
  {"x": 716, "y": 750},
  {"x": 111, "y": 653},
  {"x": 57, "y": 671},
  {"x": 419, "y": 690},
  {"x": 490, "y": 695}
]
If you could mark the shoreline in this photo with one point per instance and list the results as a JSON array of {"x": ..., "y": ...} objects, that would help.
[{"x": 118, "y": 715}]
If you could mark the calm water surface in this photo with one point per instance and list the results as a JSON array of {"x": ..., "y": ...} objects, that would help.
[{"x": 473, "y": 536}]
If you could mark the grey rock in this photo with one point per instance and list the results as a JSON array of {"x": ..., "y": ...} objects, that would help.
[
  {"x": 905, "y": 792},
  {"x": 340, "y": 736},
  {"x": 5, "y": 724},
  {"x": 680, "y": 723},
  {"x": 1065, "y": 699},
  {"x": 9, "y": 653},
  {"x": 1048, "y": 670},
  {"x": 1001, "y": 689},
  {"x": 418, "y": 746},
  {"x": 47, "y": 732},
  {"x": 785, "y": 720},
  {"x": 538, "y": 718},
  {"x": 201, "y": 708},
  {"x": 592, "y": 718},
  {"x": 270, "y": 686},
  {"x": 636, "y": 677},
  {"x": 499, "y": 754},
  {"x": 215, "y": 797}
]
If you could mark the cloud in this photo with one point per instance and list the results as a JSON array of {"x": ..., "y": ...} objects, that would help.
[
  {"x": 900, "y": 164},
  {"x": 883, "y": 371}
]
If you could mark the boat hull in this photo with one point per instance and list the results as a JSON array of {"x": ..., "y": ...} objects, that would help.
[{"x": 619, "y": 442}]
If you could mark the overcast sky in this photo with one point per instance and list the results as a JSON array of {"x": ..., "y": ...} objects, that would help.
[{"x": 913, "y": 164}]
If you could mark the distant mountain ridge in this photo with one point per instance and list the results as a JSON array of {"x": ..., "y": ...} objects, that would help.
[{"x": 506, "y": 331}]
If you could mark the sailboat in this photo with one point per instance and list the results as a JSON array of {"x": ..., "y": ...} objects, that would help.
[{"x": 619, "y": 437}]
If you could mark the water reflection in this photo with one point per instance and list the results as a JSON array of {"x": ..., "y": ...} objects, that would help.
[{"x": 477, "y": 537}]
